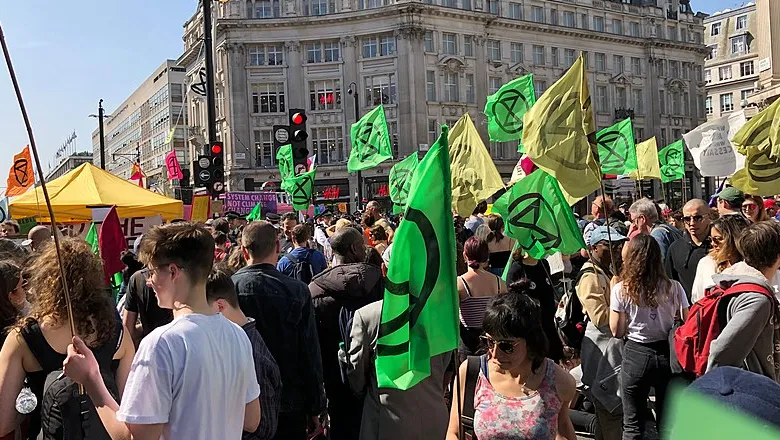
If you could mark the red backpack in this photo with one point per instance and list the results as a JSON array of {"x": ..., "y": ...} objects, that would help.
[{"x": 706, "y": 320}]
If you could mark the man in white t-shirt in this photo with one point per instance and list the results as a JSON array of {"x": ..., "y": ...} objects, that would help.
[{"x": 191, "y": 379}]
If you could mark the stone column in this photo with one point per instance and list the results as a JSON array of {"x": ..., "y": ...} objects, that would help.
[
  {"x": 480, "y": 77},
  {"x": 412, "y": 106},
  {"x": 296, "y": 87},
  {"x": 768, "y": 31},
  {"x": 236, "y": 107},
  {"x": 349, "y": 56}
]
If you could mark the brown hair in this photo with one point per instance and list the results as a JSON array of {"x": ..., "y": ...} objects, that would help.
[
  {"x": 235, "y": 259},
  {"x": 496, "y": 225},
  {"x": 759, "y": 244},
  {"x": 760, "y": 210},
  {"x": 220, "y": 286},
  {"x": 476, "y": 252},
  {"x": 259, "y": 239},
  {"x": 301, "y": 234},
  {"x": 10, "y": 274},
  {"x": 729, "y": 226},
  {"x": 378, "y": 233},
  {"x": 188, "y": 245},
  {"x": 644, "y": 279},
  {"x": 93, "y": 310}
]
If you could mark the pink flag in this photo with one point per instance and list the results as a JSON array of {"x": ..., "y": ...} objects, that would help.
[
  {"x": 527, "y": 165},
  {"x": 172, "y": 163},
  {"x": 112, "y": 242}
]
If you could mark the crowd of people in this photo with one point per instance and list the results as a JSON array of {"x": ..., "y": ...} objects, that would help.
[{"x": 268, "y": 329}]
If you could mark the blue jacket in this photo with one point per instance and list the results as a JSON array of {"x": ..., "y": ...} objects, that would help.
[{"x": 316, "y": 259}]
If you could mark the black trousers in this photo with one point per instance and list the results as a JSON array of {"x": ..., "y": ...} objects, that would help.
[
  {"x": 644, "y": 366},
  {"x": 291, "y": 426}
]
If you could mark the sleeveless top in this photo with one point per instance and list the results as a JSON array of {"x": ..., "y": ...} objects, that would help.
[
  {"x": 499, "y": 417},
  {"x": 472, "y": 309}
]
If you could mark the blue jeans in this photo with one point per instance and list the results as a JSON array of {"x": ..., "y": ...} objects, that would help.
[{"x": 644, "y": 366}]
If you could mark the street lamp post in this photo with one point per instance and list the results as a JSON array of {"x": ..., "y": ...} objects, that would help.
[
  {"x": 100, "y": 116},
  {"x": 354, "y": 93}
]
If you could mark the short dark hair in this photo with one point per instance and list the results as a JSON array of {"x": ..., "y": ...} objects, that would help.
[
  {"x": 481, "y": 208},
  {"x": 188, "y": 245},
  {"x": 759, "y": 244},
  {"x": 378, "y": 232},
  {"x": 12, "y": 223},
  {"x": 259, "y": 239},
  {"x": 343, "y": 241},
  {"x": 289, "y": 216},
  {"x": 301, "y": 234},
  {"x": 221, "y": 225},
  {"x": 220, "y": 286},
  {"x": 220, "y": 238},
  {"x": 516, "y": 315}
]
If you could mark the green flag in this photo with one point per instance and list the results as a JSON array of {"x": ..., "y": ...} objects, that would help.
[
  {"x": 92, "y": 239},
  {"x": 284, "y": 158},
  {"x": 537, "y": 216},
  {"x": 300, "y": 189},
  {"x": 255, "y": 214},
  {"x": 672, "y": 161},
  {"x": 420, "y": 309},
  {"x": 400, "y": 179},
  {"x": 370, "y": 141},
  {"x": 617, "y": 152},
  {"x": 505, "y": 109}
]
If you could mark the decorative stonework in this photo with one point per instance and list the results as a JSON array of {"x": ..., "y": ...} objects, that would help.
[
  {"x": 518, "y": 69},
  {"x": 292, "y": 46},
  {"x": 410, "y": 32},
  {"x": 452, "y": 64},
  {"x": 235, "y": 48},
  {"x": 620, "y": 79},
  {"x": 348, "y": 40}
]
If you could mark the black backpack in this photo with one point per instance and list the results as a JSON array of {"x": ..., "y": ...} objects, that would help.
[
  {"x": 66, "y": 414},
  {"x": 301, "y": 268},
  {"x": 570, "y": 320}
]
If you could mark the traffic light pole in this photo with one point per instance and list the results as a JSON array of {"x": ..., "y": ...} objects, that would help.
[
  {"x": 359, "y": 174},
  {"x": 101, "y": 115},
  {"x": 210, "y": 102}
]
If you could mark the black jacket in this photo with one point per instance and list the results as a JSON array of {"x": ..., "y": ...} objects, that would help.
[
  {"x": 282, "y": 309},
  {"x": 682, "y": 258}
]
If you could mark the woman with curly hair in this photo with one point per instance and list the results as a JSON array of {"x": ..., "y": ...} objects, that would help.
[
  {"x": 644, "y": 306},
  {"x": 12, "y": 296},
  {"x": 723, "y": 252},
  {"x": 37, "y": 344}
]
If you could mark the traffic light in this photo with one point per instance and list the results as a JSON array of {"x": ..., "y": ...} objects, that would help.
[
  {"x": 298, "y": 136},
  {"x": 203, "y": 172},
  {"x": 217, "y": 168}
]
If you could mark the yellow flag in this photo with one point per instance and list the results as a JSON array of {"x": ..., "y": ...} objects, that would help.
[
  {"x": 762, "y": 133},
  {"x": 474, "y": 175},
  {"x": 647, "y": 160},
  {"x": 560, "y": 137},
  {"x": 761, "y": 175},
  {"x": 169, "y": 138}
]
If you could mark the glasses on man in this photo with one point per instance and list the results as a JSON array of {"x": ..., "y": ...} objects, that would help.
[
  {"x": 693, "y": 218},
  {"x": 506, "y": 346}
]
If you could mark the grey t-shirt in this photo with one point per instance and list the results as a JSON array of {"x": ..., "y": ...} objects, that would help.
[
  {"x": 473, "y": 223},
  {"x": 650, "y": 324}
]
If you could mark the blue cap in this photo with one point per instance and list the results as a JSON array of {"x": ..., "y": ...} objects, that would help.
[
  {"x": 753, "y": 394},
  {"x": 601, "y": 234}
]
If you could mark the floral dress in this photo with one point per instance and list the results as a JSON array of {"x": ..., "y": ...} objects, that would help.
[{"x": 499, "y": 417}]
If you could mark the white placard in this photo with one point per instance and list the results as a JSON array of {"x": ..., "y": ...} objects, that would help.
[{"x": 711, "y": 148}]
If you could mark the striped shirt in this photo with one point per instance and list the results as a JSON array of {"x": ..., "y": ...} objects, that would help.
[
  {"x": 270, "y": 385},
  {"x": 472, "y": 309}
]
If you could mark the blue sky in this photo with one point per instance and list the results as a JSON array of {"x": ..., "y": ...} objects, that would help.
[{"x": 78, "y": 52}]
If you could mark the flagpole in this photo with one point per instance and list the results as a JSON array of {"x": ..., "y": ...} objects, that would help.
[
  {"x": 34, "y": 148},
  {"x": 606, "y": 218},
  {"x": 458, "y": 397}
]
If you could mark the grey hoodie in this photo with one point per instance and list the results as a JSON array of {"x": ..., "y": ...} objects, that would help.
[{"x": 747, "y": 340}]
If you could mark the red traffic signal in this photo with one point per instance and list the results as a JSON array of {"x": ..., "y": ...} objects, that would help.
[
  {"x": 298, "y": 118},
  {"x": 216, "y": 148}
]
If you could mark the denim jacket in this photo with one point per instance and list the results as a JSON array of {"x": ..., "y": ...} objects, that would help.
[{"x": 282, "y": 309}]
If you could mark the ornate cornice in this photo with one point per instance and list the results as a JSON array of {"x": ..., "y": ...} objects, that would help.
[
  {"x": 292, "y": 46},
  {"x": 348, "y": 40}
]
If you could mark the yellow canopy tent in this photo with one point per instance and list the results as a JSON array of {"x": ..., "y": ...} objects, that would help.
[{"x": 74, "y": 194}]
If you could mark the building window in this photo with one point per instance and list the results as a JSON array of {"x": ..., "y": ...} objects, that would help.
[
  {"x": 686, "y": 104},
  {"x": 516, "y": 52},
  {"x": 662, "y": 101},
  {"x": 724, "y": 73},
  {"x": 264, "y": 148},
  {"x": 617, "y": 26},
  {"x": 450, "y": 3},
  {"x": 671, "y": 33},
  {"x": 744, "y": 94},
  {"x": 449, "y": 43},
  {"x": 634, "y": 30},
  {"x": 636, "y": 65},
  {"x": 430, "y": 85},
  {"x": 537, "y": 14},
  {"x": 371, "y": 4},
  {"x": 433, "y": 131},
  {"x": 584, "y": 21},
  {"x": 715, "y": 29},
  {"x": 598, "y": 24},
  {"x": 450, "y": 87},
  {"x": 554, "y": 16},
  {"x": 568, "y": 57},
  {"x": 601, "y": 99},
  {"x": 741, "y": 22},
  {"x": 674, "y": 69},
  {"x": 515, "y": 11},
  {"x": 387, "y": 46},
  {"x": 494, "y": 83},
  {"x": 726, "y": 102},
  {"x": 468, "y": 45},
  {"x": 328, "y": 144},
  {"x": 380, "y": 89},
  {"x": 268, "y": 98},
  {"x": 269, "y": 54},
  {"x": 325, "y": 94},
  {"x": 378, "y": 46},
  {"x": 466, "y": 4},
  {"x": 319, "y": 7},
  {"x": 554, "y": 56},
  {"x": 676, "y": 103},
  {"x": 619, "y": 64},
  {"x": 428, "y": 39},
  {"x": 539, "y": 55},
  {"x": 539, "y": 87},
  {"x": 493, "y": 7},
  {"x": 470, "y": 96},
  {"x": 746, "y": 68},
  {"x": 323, "y": 52},
  {"x": 708, "y": 105},
  {"x": 494, "y": 50},
  {"x": 738, "y": 45},
  {"x": 713, "y": 52},
  {"x": 264, "y": 9},
  {"x": 620, "y": 97},
  {"x": 601, "y": 62},
  {"x": 708, "y": 76},
  {"x": 639, "y": 101},
  {"x": 569, "y": 19}
]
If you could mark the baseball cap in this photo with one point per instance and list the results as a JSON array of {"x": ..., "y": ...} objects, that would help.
[
  {"x": 753, "y": 394},
  {"x": 731, "y": 195},
  {"x": 601, "y": 234},
  {"x": 770, "y": 204}
]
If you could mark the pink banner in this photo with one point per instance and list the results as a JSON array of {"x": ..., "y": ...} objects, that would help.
[{"x": 172, "y": 163}]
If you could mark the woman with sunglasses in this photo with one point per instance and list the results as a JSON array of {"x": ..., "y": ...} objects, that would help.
[
  {"x": 643, "y": 309},
  {"x": 753, "y": 208},
  {"x": 723, "y": 252},
  {"x": 519, "y": 393}
]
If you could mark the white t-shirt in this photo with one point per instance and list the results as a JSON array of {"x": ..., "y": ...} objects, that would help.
[
  {"x": 646, "y": 324},
  {"x": 195, "y": 375}
]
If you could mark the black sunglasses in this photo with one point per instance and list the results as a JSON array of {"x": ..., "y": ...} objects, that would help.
[
  {"x": 506, "y": 346},
  {"x": 695, "y": 218}
]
